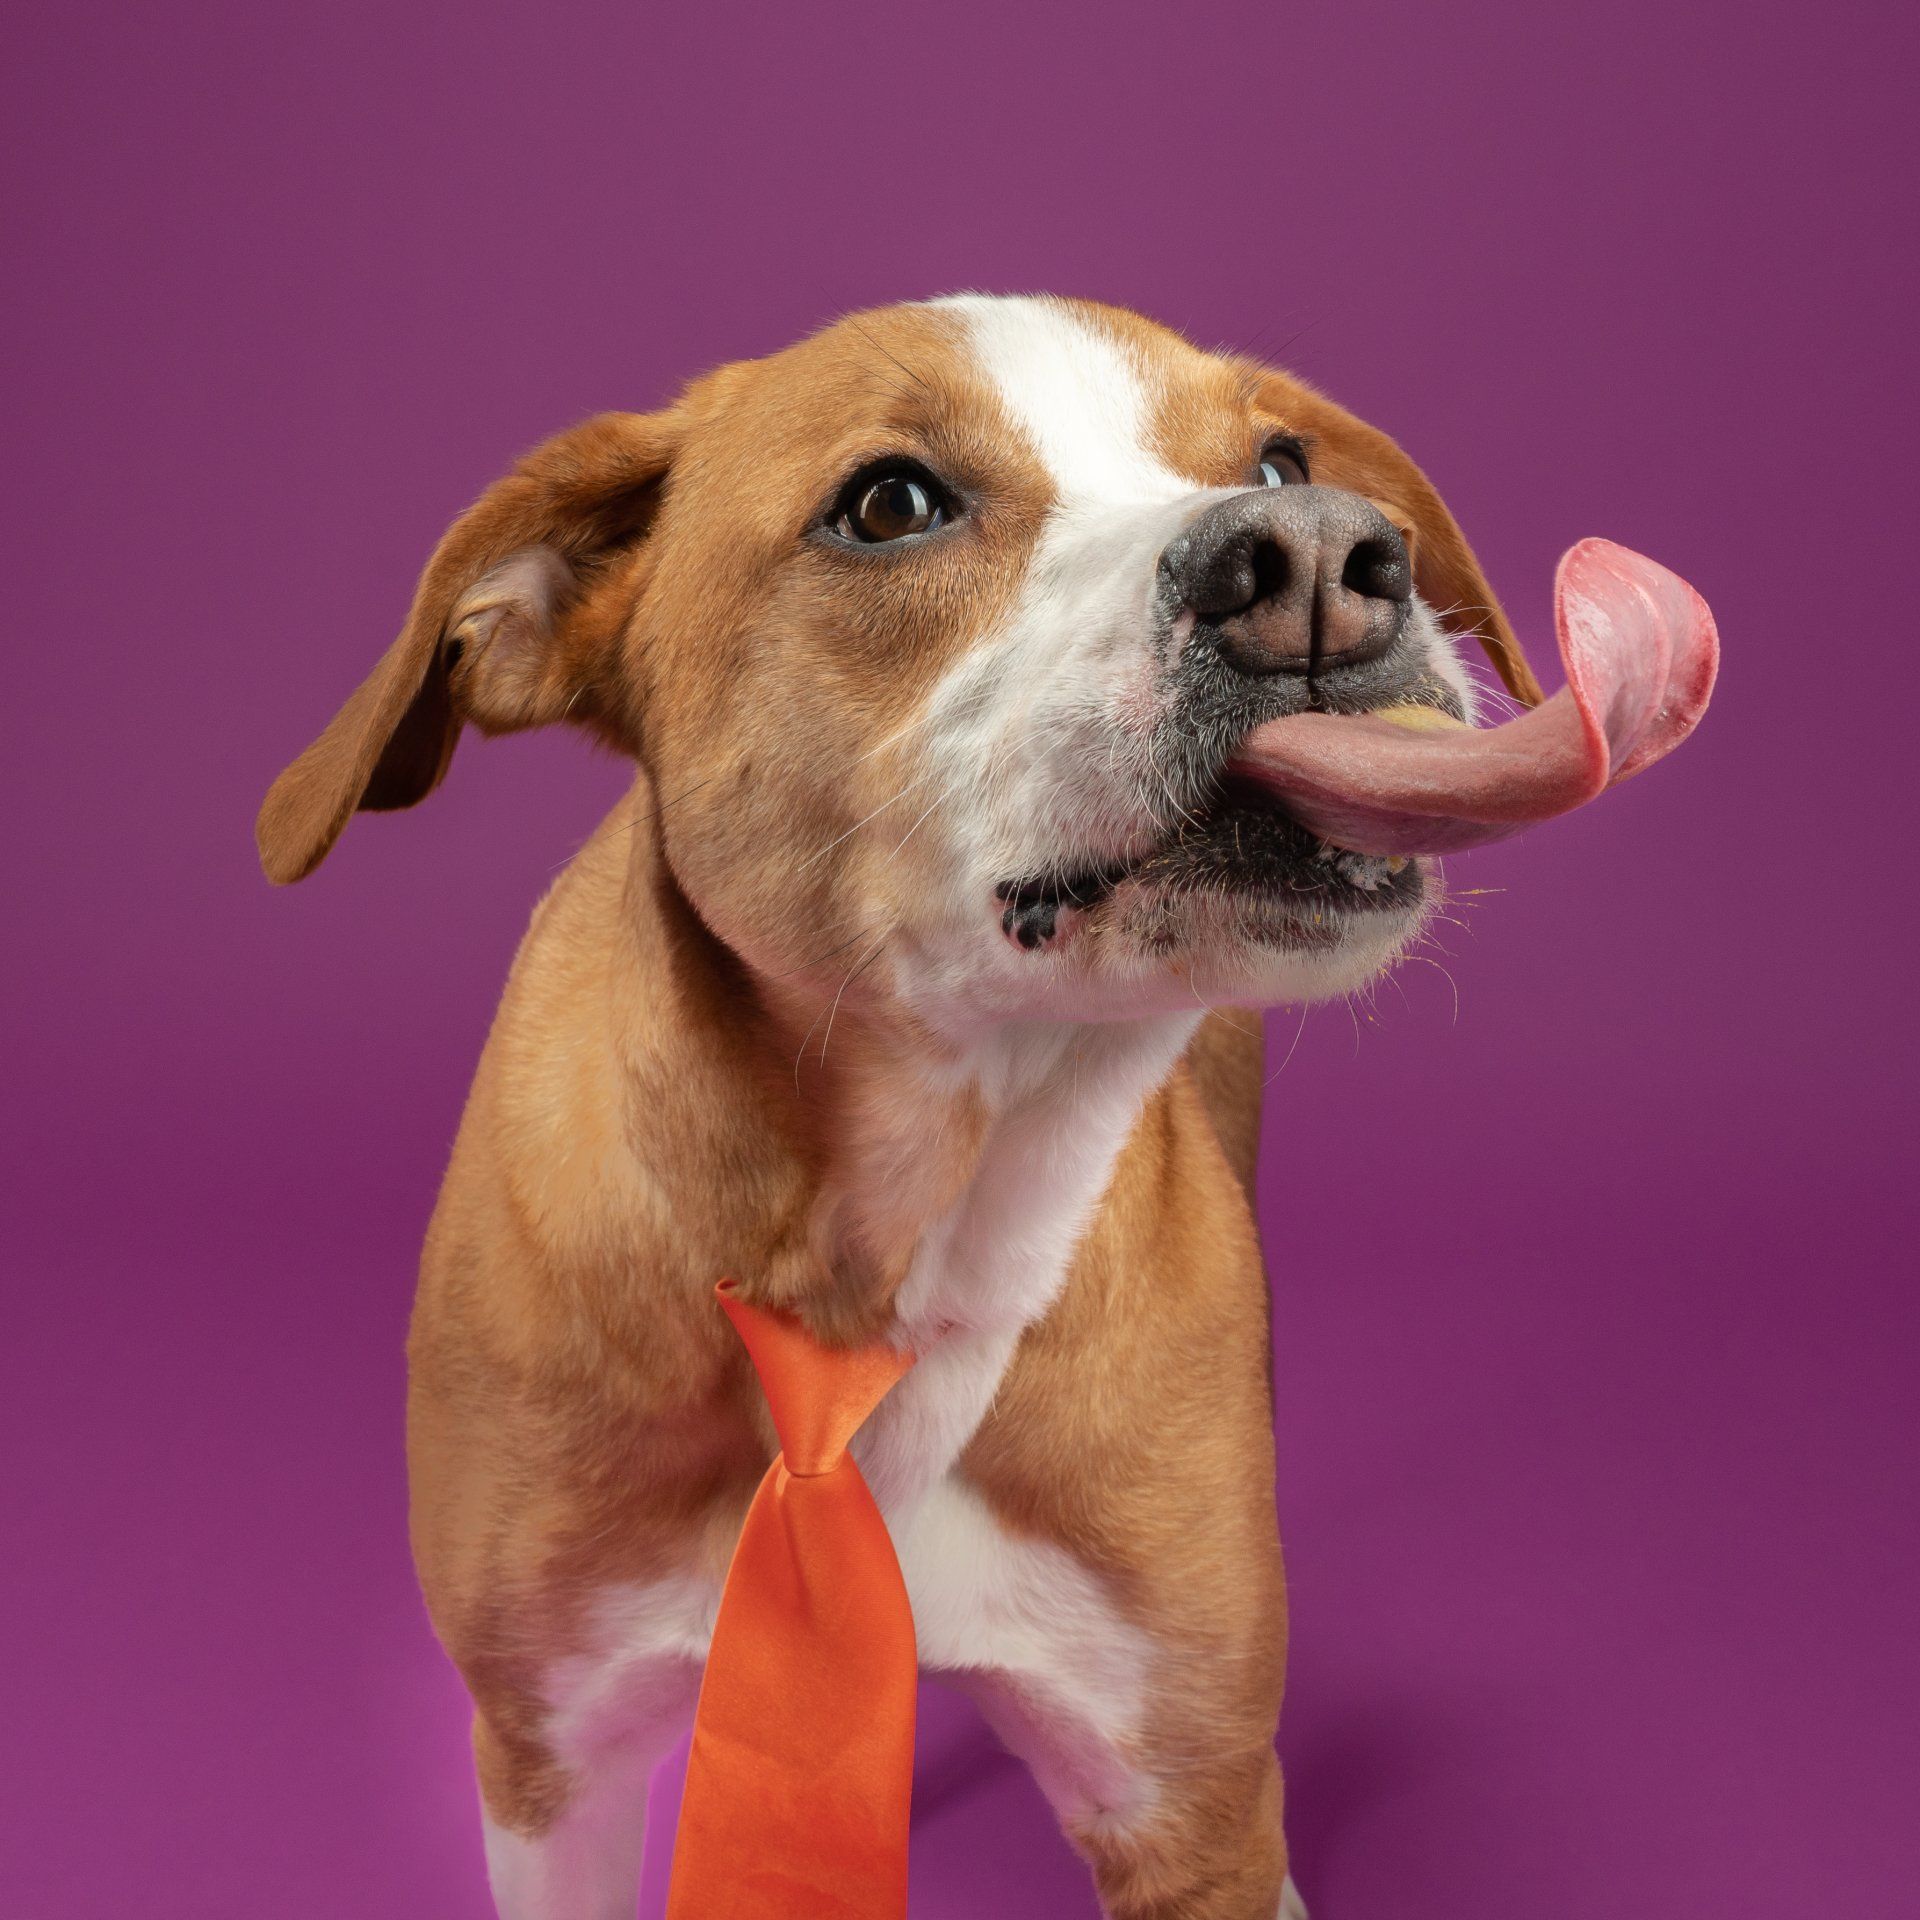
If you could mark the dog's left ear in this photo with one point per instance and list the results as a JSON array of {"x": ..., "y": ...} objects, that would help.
[
  {"x": 1348, "y": 453},
  {"x": 505, "y": 631}
]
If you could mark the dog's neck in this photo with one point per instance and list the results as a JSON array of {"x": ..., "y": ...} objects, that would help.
[
  {"x": 904, "y": 1182},
  {"x": 1030, "y": 1119},
  {"x": 967, "y": 1177}
]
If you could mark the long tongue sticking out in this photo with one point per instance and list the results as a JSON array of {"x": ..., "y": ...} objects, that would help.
[{"x": 1640, "y": 653}]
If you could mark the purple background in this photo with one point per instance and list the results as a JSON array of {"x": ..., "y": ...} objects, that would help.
[{"x": 1596, "y": 1366}]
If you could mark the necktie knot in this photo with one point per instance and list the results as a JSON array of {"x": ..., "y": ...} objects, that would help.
[{"x": 819, "y": 1396}]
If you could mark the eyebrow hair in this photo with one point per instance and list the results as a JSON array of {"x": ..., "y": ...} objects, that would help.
[
  {"x": 919, "y": 380},
  {"x": 1249, "y": 378}
]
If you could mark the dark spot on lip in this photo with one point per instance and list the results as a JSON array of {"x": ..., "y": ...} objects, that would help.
[
  {"x": 1032, "y": 922},
  {"x": 1031, "y": 908}
]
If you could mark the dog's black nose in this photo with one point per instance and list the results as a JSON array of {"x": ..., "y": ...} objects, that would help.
[{"x": 1293, "y": 579}]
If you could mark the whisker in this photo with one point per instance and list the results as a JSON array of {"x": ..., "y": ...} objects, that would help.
[
  {"x": 1300, "y": 1027},
  {"x": 1445, "y": 975},
  {"x": 813, "y": 858},
  {"x": 859, "y": 933},
  {"x": 866, "y": 961},
  {"x": 921, "y": 822}
]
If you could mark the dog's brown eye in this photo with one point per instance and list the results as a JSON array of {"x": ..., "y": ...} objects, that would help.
[
  {"x": 1282, "y": 465},
  {"x": 890, "y": 506}
]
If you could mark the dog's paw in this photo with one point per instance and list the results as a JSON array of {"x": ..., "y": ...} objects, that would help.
[{"x": 1292, "y": 1907}]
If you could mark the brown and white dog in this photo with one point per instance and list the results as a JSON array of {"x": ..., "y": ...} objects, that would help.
[{"x": 888, "y": 989}]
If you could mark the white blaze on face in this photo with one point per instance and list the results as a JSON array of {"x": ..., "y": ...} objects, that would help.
[
  {"x": 1043, "y": 727},
  {"x": 1078, "y": 395}
]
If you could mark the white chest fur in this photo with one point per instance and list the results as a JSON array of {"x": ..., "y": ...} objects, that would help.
[{"x": 1064, "y": 1099}]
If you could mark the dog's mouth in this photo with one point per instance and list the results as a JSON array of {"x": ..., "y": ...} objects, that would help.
[
  {"x": 1640, "y": 654},
  {"x": 1244, "y": 846}
]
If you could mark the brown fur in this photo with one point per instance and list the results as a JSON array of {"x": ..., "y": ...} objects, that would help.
[{"x": 654, "y": 1107}]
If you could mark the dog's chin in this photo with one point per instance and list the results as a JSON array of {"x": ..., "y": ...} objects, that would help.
[
  {"x": 1228, "y": 941},
  {"x": 1229, "y": 946}
]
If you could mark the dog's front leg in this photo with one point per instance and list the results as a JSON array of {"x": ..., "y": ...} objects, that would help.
[
  {"x": 1168, "y": 1838},
  {"x": 575, "y": 1859},
  {"x": 565, "y": 1820},
  {"x": 1212, "y": 1850},
  {"x": 1149, "y": 1728}
]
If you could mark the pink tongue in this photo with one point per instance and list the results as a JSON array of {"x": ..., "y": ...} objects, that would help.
[{"x": 1640, "y": 653}]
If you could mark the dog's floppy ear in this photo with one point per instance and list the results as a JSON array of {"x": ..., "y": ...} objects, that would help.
[
  {"x": 504, "y": 632},
  {"x": 1348, "y": 453}
]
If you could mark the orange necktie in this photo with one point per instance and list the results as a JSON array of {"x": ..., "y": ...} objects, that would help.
[{"x": 801, "y": 1772}]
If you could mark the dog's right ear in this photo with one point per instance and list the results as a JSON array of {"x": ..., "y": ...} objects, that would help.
[{"x": 503, "y": 632}]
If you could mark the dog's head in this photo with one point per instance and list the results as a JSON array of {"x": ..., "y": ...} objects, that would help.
[{"x": 935, "y": 636}]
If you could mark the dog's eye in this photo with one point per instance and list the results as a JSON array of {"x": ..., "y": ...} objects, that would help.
[
  {"x": 1283, "y": 465},
  {"x": 890, "y": 504}
]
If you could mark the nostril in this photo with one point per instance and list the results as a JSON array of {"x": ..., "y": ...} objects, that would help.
[
  {"x": 1271, "y": 571},
  {"x": 1377, "y": 569}
]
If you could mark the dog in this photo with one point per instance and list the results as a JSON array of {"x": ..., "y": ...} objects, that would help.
[{"x": 901, "y": 986}]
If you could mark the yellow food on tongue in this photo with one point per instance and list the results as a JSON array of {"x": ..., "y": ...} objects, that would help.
[{"x": 1418, "y": 719}]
